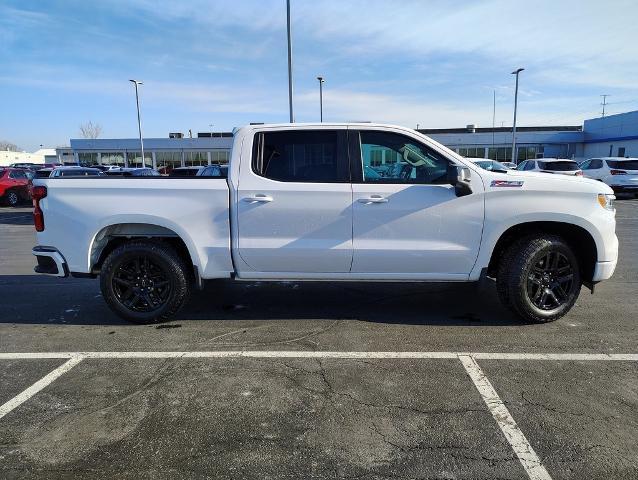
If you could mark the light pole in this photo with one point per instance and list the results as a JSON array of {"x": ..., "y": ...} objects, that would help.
[
  {"x": 139, "y": 119},
  {"x": 211, "y": 129},
  {"x": 321, "y": 80},
  {"x": 292, "y": 116},
  {"x": 515, "y": 72}
]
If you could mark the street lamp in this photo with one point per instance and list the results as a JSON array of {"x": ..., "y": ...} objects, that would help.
[
  {"x": 321, "y": 81},
  {"x": 139, "y": 120},
  {"x": 292, "y": 116},
  {"x": 211, "y": 129},
  {"x": 515, "y": 72}
]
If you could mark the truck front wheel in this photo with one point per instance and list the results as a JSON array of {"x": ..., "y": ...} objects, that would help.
[
  {"x": 144, "y": 281},
  {"x": 539, "y": 278}
]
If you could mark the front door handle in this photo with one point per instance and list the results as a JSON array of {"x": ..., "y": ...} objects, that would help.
[
  {"x": 260, "y": 197},
  {"x": 373, "y": 199}
]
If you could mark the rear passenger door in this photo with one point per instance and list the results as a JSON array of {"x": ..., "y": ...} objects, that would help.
[
  {"x": 295, "y": 203},
  {"x": 595, "y": 169}
]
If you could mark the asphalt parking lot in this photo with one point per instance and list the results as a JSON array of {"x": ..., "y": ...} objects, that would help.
[{"x": 315, "y": 380}]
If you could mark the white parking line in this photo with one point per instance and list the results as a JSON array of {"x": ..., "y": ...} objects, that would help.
[
  {"x": 39, "y": 385},
  {"x": 631, "y": 357},
  {"x": 528, "y": 458},
  {"x": 524, "y": 451}
]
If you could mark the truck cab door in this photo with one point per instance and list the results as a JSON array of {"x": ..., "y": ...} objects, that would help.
[
  {"x": 408, "y": 222},
  {"x": 294, "y": 203}
]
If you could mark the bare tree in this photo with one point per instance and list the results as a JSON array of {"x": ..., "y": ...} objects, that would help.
[
  {"x": 90, "y": 130},
  {"x": 8, "y": 146}
]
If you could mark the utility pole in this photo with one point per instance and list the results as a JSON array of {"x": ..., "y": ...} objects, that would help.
[
  {"x": 493, "y": 117},
  {"x": 604, "y": 103},
  {"x": 292, "y": 116},
  {"x": 515, "y": 72},
  {"x": 139, "y": 120},
  {"x": 321, "y": 81}
]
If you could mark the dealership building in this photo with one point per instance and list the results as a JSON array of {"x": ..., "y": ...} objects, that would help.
[{"x": 613, "y": 135}]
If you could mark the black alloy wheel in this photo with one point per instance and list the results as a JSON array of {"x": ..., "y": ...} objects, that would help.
[
  {"x": 550, "y": 282},
  {"x": 12, "y": 198},
  {"x": 145, "y": 281},
  {"x": 141, "y": 285}
]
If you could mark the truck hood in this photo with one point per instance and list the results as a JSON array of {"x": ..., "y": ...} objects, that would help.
[{"x": 550, "y": 181}]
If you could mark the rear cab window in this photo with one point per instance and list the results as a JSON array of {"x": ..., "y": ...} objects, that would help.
[
  {"x": 623, "y": 164},
  {"x": 311, "y": 156},
  {"x": 566, "y": 166}
]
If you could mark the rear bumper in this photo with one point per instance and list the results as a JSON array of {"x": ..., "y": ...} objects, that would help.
[
  {"x": 625, "y": 188},
  {"x": 50, "y": 262}
]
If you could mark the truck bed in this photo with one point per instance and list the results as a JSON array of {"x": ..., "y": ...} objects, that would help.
[{"x": 79, "y": 212}]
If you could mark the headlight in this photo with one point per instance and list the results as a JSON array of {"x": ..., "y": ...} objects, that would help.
[{"x": 606, "y": 201}]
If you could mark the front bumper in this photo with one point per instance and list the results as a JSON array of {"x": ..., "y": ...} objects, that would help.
[
  {"x": 50, "y": 262},
  {"x": 604, "y": 270}
]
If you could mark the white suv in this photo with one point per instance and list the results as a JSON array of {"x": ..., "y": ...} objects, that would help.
[
  {"x": 551, "y": 165},
  {"x": 619, "y": 173}
]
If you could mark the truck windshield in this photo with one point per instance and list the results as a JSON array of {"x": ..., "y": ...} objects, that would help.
[
  {"x": 566, "y": 166},
  {"x": 624, "y": 164}
]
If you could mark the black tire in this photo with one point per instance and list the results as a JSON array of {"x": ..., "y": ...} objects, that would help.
[
  {"x": 145, "y": 281},
  {"x": 539, "y": 278},
  {"x": 12, "y": 198}
]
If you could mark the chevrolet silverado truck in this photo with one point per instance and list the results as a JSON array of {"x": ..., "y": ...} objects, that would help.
[{"x": 335, "y": 202}]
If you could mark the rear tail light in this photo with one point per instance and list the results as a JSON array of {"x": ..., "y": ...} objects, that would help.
[
  {"x": 38, "y": 193},
  {"x": 618, "y": 172}
]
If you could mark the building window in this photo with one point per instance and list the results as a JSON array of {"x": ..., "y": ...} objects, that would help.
[
  {"x": 220, "y": 156},
  {"x": 135, "y": 159},
  {"x": 112, "y": 158},
  {"x": 621, "y": 151},
  {"x": 530, "y": 152},
  {"x": 502, "y": 154},
  {"x": 195, "y": 159},
  {"x": 472, "y": 152},
  {"x": 165, "y": 162}
]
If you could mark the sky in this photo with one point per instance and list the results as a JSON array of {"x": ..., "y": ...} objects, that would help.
[{"x": 435, "y": 63}]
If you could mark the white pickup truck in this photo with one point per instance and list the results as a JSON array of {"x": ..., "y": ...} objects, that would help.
[{"x": 337, "y": 202}]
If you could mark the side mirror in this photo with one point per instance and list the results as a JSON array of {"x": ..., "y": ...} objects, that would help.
[{"x": 460, "y": 178}]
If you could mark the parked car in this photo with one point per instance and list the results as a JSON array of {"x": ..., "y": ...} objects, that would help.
[
  {"x": 299, "y": 203},
  {"x": 490, "y": 165},
  {"x": 561, "y": 166},
  {"x": 75, "y": 172},
  {"x": 200, "y": 171},
  {"x": 510, "y": 165},
  {"x": 13, "y": 186},
  {"x": 192, "y": 171},
  {"x": 619, "y": 173},
  {"x": 104, "y": 168},
  {"x": 132, "y": 172}
]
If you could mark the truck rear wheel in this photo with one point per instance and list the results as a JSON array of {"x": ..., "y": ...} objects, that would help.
[
  {"x": 145, "y": 282},
  {"x": 539, "y": 278}
]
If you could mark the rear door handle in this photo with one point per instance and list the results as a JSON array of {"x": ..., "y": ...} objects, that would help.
[
  {"x": 260, "y": 197},
  {"x": 373, "y": 199}
]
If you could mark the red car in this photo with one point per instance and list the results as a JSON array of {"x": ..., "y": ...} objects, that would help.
[{"x": 13, "y": 186}]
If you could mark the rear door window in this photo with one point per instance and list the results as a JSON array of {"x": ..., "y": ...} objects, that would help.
[{"x": 317, "y": 156}]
